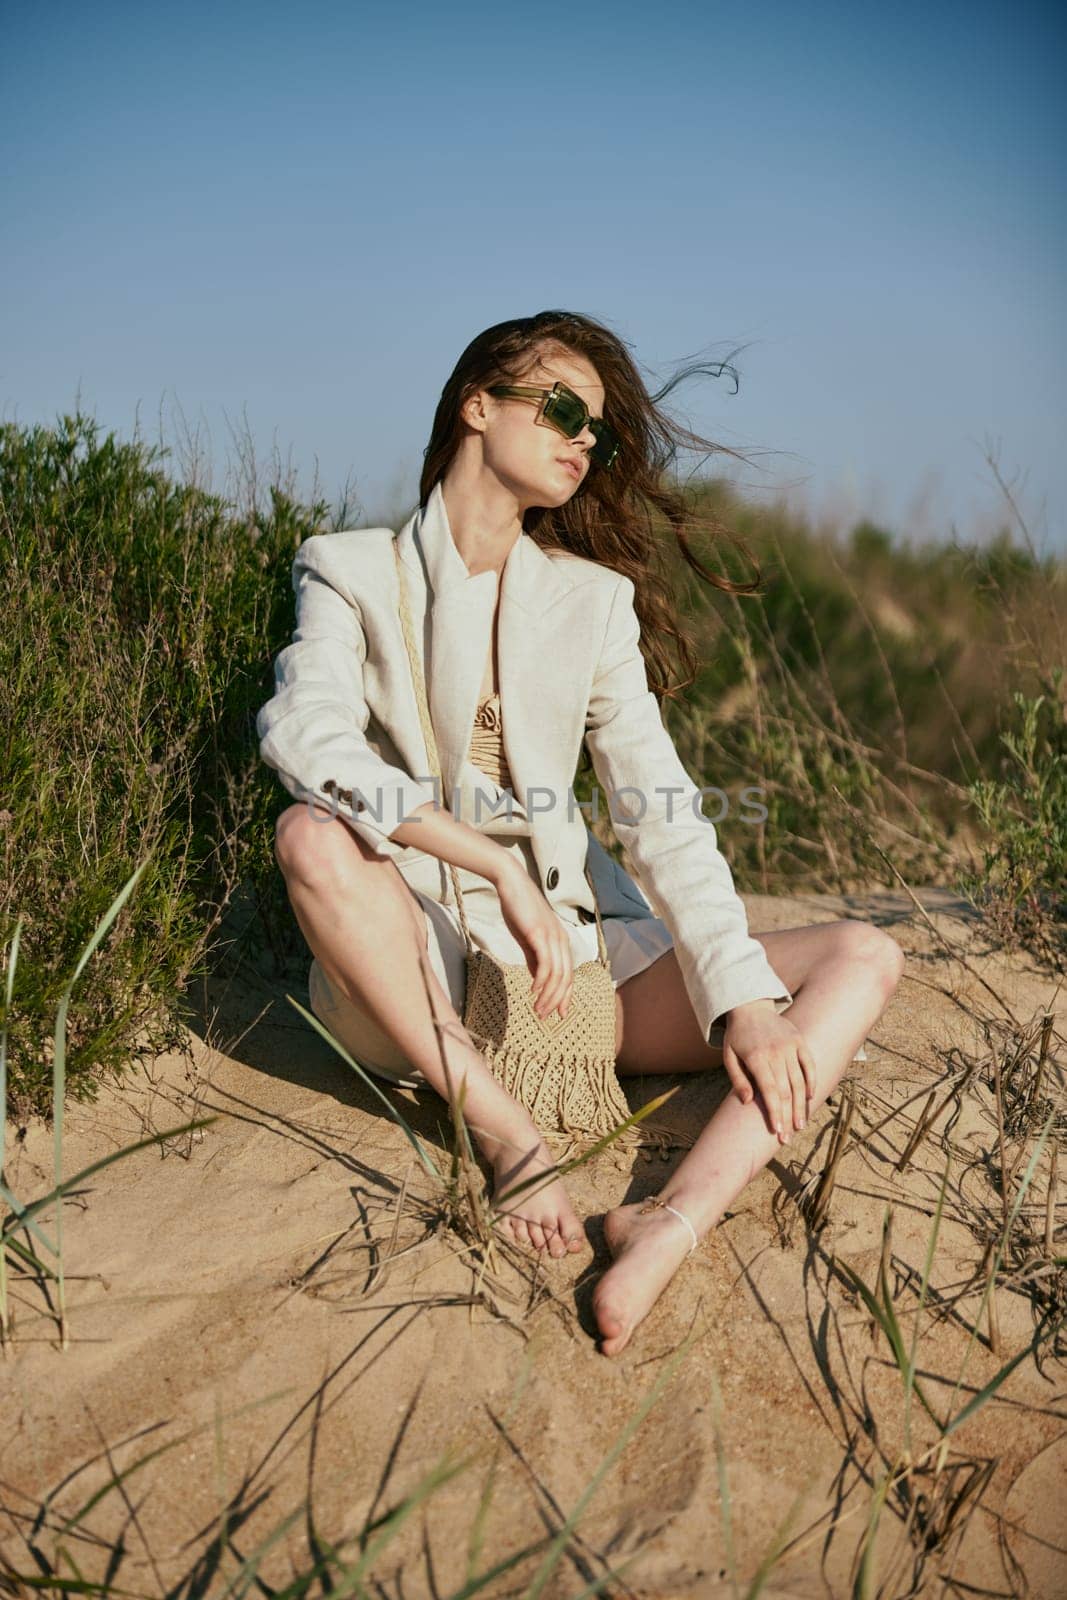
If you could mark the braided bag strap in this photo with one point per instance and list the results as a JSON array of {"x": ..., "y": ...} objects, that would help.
[
  {"x": 427, "y": 726},
  {"x": 435, "y": 764}
]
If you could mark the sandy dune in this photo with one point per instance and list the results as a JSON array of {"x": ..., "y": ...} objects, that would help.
[{"x": 230, "y": 1292}]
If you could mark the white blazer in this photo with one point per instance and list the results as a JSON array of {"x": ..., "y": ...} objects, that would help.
[{"x": 343, "y": 728}]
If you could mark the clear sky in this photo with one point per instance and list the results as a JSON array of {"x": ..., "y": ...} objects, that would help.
[{"x": 301, "y": 214}]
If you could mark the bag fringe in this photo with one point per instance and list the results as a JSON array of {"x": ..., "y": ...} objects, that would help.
[{"x": 589, "y": 1080}]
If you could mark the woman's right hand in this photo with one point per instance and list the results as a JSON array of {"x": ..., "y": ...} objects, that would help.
[{"x": 541, "y": 933}]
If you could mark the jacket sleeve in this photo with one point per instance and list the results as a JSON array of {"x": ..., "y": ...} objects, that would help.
[
  {"x": 313, "y": 729},
  {"x": 671, "y": 844}
]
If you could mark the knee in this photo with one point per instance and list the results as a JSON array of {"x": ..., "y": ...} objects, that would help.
[
  {"x": 873, "y": 951},
  {"x": 307, "y": 842}
]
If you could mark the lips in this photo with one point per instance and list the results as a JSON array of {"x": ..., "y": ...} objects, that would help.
[{"x": 572, "y": 466}]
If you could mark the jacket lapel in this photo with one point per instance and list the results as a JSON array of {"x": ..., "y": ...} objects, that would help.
[{"x": 456, "y": 613}]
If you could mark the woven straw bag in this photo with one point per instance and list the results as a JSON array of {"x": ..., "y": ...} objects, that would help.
[{"x": 561, "y": 1069}]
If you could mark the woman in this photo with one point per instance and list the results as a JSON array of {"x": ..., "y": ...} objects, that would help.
[{"x": 537, "y": 592}]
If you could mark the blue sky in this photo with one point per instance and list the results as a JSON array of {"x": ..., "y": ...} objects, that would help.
[{"x": 300, "y": 215}]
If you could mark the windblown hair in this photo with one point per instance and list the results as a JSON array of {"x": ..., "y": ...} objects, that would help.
[{"x": 611, "y": 516}]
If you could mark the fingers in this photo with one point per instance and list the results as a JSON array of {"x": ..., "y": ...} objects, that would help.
[
  {"x": 543, "y": 973},
  {"x": 807, "y": 1065},
  {"x": 738, "y": 1077},
  {"x": 784, "y": 1088},
  {"x": 555, "y": 972},
  {"x": 559, "y": 999},
  {"x": 799, "y": 1093},
  {"x": 772, "y": 1081},
  {"x": 760, "y": 1069},
  {"x": 785, "y": 1082}
]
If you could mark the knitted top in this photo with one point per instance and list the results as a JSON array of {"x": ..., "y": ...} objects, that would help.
[{"x": 487, "y": 745}]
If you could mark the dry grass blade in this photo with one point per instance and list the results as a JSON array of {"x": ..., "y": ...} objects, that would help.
[
  {"x": 993, "y": 1314},
  {"x": 919, "y": 1132},
  {"x": 947, "y": 1511},
  {"x": 379, "y": 1269},
  {"x": 995, "y": 1267},
  {"x": 817, "y": 1209},
  {"x": 998, "y": 1095},
  {"x": 1050, "y": 1197},
  {"x": 1042, "y": 1058}
]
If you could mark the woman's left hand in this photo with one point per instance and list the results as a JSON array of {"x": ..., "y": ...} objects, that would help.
[{"x": 763, "y": 1051}]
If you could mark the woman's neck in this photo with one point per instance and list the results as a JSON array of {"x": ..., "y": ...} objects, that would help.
[{"x": 483, "y": 517}]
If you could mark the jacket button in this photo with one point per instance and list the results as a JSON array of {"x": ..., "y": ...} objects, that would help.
[
  {"x": 553, "y": 877},
  {"x": 343, "y": 795}
]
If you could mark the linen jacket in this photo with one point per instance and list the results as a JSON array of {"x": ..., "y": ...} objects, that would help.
[{"x": 342, "y": 729}]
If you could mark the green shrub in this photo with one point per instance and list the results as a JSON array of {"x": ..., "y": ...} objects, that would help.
[
  {"x": 1022, "y": 887},
  {"x": 139, "y": 620}
]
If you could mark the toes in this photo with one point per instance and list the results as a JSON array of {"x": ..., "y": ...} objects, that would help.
[
  {"x": 558, "y": 1238},
  {"x": 557, "y": 1245},
  {"x": 614, "y": 1333},
  {"x": 571, "y": 1232}
]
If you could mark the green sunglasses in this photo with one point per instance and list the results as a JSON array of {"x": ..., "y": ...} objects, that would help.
[{"x": 565, "y": 411}]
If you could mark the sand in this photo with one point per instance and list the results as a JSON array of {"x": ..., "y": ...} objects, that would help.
[{"x": 228, "y": 1298}]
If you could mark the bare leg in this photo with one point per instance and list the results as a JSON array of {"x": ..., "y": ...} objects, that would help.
[
  {"x": 368, "y": 933},
  {"x": 841, "y": 976}
]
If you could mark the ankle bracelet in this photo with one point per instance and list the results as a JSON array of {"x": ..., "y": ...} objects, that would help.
[{"x": 655, "y": 1203}]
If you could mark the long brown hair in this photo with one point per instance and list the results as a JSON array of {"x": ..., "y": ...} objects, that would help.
[{"x": 610, "y": 518}]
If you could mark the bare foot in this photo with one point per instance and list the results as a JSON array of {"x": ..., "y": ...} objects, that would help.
[
  {"x": 543, "y": 1217},
  {"x": 648, "y": 1249}
]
